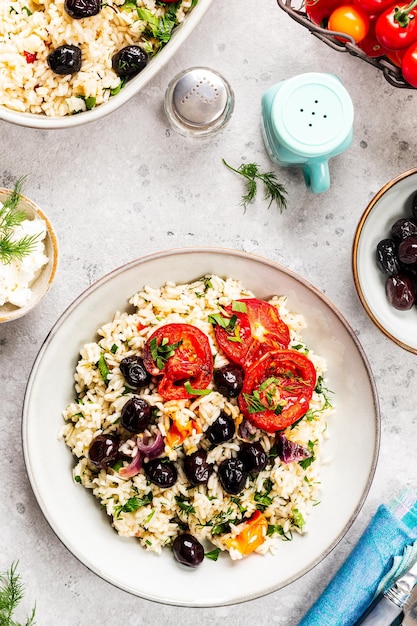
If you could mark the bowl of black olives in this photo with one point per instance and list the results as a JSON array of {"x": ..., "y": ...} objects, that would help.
[{"x": 385, "y": 260}]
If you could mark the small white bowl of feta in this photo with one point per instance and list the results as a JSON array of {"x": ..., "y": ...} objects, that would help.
[{"x": 28, "y": 254}]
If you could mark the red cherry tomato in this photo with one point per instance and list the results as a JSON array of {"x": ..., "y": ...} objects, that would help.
[
  {"x": 253, "y": 327},
  {"x": 181, "y": 354},
  {"x": 277, "y": 390},
  {"x": 318, "y": 11},
  {"x": 370, "y": 45},
  {"x": 391, "y": 31},
  {"x": 349, "y": 20},
  {"x": 409, "y": 65},
  {"x": 372, "y": 7},
  {"x": 396, "y": 56}
]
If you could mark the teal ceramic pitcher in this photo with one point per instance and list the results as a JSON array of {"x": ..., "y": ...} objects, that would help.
[{"x": 306, "y": 120}]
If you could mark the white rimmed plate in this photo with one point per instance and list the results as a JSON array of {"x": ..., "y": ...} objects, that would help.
[
  {"x": 393, "y": 201},
  {"x": 75, "y": 515}
]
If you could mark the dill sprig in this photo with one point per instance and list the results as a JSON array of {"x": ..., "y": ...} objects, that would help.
[
  {"x": 274, "y": 191},
  {"x": 10, "y": 218},
  {"x": 11, "y": 594}
]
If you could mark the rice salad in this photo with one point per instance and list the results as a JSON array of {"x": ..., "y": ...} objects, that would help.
[
  {"x": 30, "y": 30},
  {"x": 270, "y": 504}
]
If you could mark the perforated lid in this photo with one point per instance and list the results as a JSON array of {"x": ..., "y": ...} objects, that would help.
[
  {"x": 312, "y": 114},
  {"x": 200, "y": 97}
]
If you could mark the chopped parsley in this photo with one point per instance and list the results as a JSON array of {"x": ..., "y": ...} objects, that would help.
[
  {"x": 305, "y": 463},
  {"x": 213, "y": 555},
  {"x": 133, "y": 504},
  {"x": 277, "y": 529},
  {"x": 184, "y": 505}
]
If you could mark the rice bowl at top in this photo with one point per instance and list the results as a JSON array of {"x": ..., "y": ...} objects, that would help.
[{"x": 32, "y": 94}]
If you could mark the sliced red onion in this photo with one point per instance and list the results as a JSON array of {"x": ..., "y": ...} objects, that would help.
[
  {"x": 150, "y": 446},
  {"x": 133, "y": 468},
  {"x": 246, "y": 430},
  {"x": 289, "y": 451}
]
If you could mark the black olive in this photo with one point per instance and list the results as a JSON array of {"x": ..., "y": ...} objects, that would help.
[
  {"x": 187, "y": 550},
  {"x": 386, "y": 257},
  {"x": 223, "y": 429},
  {"x": 129, "y": 61},
  {"x": 402, "y": 228},
  {"x": 134, "y": 371},
  {"x": 163, "y": 474},
  {"x": 229, "y": 380},
  {"x": 253, "y": 456},
  {"x": 78, "y": 9},
  {"x": 197, "y": 469},
  {"x": 232, "y": 475},
  {"x": 65, "y": 59},
  {"x": 407, "y": 251},
  {"x": 400, "y": 292},
  {"x": 104, "y": 450},
  {"x": 136, "y": 415}
]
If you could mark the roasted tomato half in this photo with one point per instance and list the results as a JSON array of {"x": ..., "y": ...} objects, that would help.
[
  {"x": 250, "y": 328},
  {"x": 277, "y": 390},
  {"x": 181, "y": 354}
]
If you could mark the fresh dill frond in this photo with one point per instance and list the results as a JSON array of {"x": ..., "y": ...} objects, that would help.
[
  {"x": 274, "y": 191},
  {"x": 14, "y": 198},
  {"x": 10, "y": 218},
  {"x": 11, "y": 594},
  {"x": 16, "y": 250}
]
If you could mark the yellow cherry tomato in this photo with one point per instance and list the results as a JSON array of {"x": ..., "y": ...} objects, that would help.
[{"x": 349, "y": 20}]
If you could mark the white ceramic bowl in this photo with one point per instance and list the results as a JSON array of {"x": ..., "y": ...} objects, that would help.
[
  {"x": 43, "y": 281},
  {"x": 393, "y": 201},
  {"x": 132, "y": 87},
  {"x": 352, "y": 446}
]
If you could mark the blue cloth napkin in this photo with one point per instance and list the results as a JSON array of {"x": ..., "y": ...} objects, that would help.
[{"x": 387, "y": 548}]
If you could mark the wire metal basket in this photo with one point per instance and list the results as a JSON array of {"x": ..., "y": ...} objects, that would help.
[{"x": 391, "y": 72}]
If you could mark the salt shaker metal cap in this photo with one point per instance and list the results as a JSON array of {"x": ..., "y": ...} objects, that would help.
[{"x": 199, "y": 102}]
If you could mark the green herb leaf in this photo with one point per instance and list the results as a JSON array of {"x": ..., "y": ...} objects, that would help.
[
  {"x": 298, "y": 519},
  {"x": 239, "y": 307},
  {"x": 103, "y": 367},
  {"x": 163, "y": 351},
  {"x": 274, "y": 191},
  {"x": 195, "y": 392},
  {"x": 219, "y": 320},
  {"x": 11, "y": 594},
  {"x": 213, "y": 555}
]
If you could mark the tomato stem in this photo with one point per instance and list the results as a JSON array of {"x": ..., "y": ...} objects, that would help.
[{"x": 402, "y": 16}]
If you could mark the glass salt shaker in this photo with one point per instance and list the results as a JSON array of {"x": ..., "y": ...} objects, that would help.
[{"x": 198, "y": 102}]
